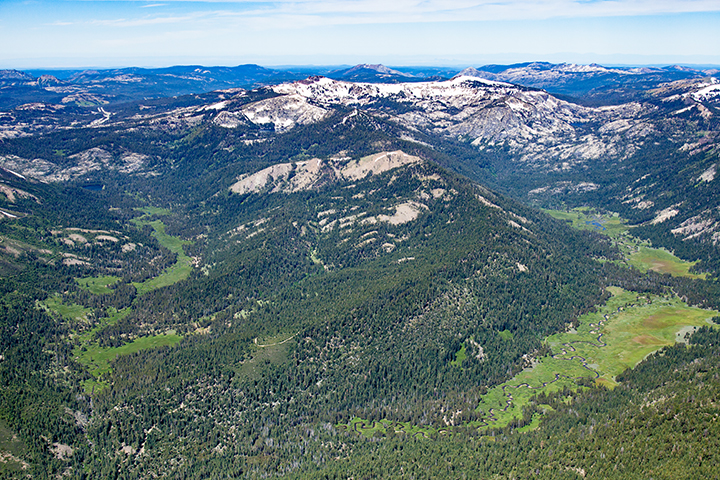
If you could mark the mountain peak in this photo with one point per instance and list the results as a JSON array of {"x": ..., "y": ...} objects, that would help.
[
  {"x": 378, "y": 68},
  {"x": 474, "y": 72},
  {"x": 366, "y": 72},
  {"x": 14, "y": 75}
]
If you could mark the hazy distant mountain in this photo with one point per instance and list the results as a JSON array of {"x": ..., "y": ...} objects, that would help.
[
  {"x": 371, "y": 73},
  {"x": 586, "y": 84},
  {"x": 589, "y": 84},
  {"x": 91, "y": 88}
]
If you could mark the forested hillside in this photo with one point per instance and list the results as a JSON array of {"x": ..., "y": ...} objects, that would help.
[{"x": 247, "y": 284}]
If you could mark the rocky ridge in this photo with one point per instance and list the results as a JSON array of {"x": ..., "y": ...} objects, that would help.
[{"x": 538, "y": 134}]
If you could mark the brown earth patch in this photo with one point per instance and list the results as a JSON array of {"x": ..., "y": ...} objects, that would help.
[{"x": 647, "y": 340}]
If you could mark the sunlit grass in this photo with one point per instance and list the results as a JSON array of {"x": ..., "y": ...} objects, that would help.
[
  {"x": 661, "y": 261},
  {"x": 618, "y": 336},
  {"x": 98, "y": 285},
  {"x": 177, "y": 272},
  {"x": 606, "y": 342},
  {"x": 73, "y": 312},
  {"x": 637, "y": 253},
  {"x": 97, "y": 359},
  {"x": 460, "y": 357}
]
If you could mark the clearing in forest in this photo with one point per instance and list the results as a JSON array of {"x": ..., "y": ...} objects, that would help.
[
  {"x": 97, "y": 359},
  {"x": 177, "y": 272},
  {"x": 618, "y": 336},
  {"x": 266, "y": 351},
  {"x": 74, "y": 312},
  {"x": 12, "y": 449},
  {"x": 637, "y": 253},
  {"x": 98, "y": 285}
]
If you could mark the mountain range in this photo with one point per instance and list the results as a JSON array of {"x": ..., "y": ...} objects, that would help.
[
  {"x": 248, "y": 272},
  {"x": 532, "y": 144},
  {"x": 591, "y": 84}
]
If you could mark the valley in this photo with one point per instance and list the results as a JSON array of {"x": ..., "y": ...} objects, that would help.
[
  {"x": 624, "y": 331},
  {"x": 291, "y": 276},
  {"x": 89, "y": 352},
  {"x": 636, "y": 253}
]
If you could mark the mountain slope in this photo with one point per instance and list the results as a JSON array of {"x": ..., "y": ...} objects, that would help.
[
  {"x": 304, "y": 272},
  {"x": 548, "y": 150},
  {"x": 213, "y": 285},
  {"x": 525, "y": 142},
  {"x": 346, "y": 295}
]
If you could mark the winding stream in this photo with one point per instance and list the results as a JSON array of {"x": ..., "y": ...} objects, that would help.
[{"x": 564, "y": 350}]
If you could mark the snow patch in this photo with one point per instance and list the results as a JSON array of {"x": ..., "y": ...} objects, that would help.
[{"x": 284, "y": 112}]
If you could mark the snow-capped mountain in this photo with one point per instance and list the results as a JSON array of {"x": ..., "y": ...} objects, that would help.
[
  {"x": 591, "y": 84},
  {"x": 542, "y": 145},
  {"x": 542, "y": 129}
]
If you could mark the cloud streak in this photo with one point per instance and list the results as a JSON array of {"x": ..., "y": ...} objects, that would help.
[
  {"x": 267, "y": 14},
  {"x": 422, "y": 11},
  {"x": 371, "y": 28}
]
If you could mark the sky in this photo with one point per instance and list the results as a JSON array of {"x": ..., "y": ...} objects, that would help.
[{"x": 104, "y": 34}]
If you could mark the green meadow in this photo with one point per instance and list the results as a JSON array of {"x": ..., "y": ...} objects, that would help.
[
  {"x": 460, "y": 356},
  {"x": 581, "y": 219},
  {"x": 637, "y": 253},
  {"x": 618, "y": 336},
  {"x": 94, "y": 357},
  {"x": 98, "y": 285},
  {"x": 177, "y": 272},
  {"x": 97, "y": 359},
  {"x": 150, "y": 210},
  {"x": 73, "y": 312},
  {"x": 659, "y": 260},
  {"x": 113, "y": 316},
  {"x": 272, "y": 350}
]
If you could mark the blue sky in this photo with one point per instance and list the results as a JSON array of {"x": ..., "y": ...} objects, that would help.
[{"x": 81, "y": 34}]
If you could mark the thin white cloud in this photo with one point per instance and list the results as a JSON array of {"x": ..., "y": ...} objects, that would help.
[
  {"x": 518, "y": 7},
  {"x": 299, "y": 13},
  {"x": 218, "y": 17},
  {"x": 459, "y": 10},
  {"x": 146, "y": 21}
]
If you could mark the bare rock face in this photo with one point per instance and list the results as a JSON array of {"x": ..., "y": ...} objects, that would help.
[
  {"x": 311, "y": 174},
  {"x": 541, "y": 129},
  {"x": 284, "y": 112},
  {"x": 92, "y": 160},
  {"x": 536, "y": 132}
]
